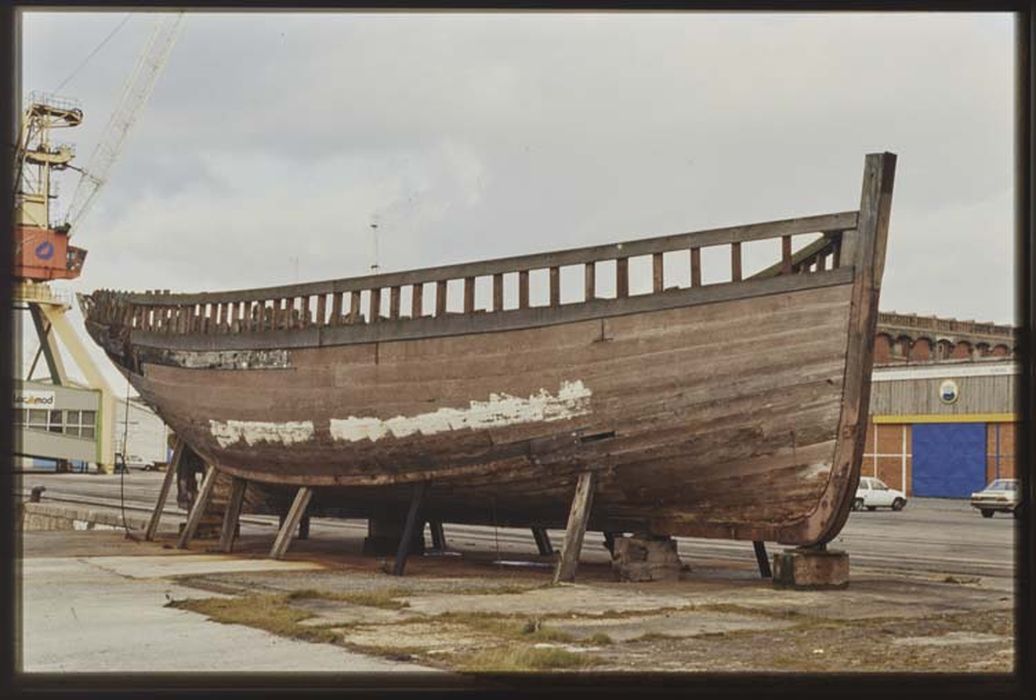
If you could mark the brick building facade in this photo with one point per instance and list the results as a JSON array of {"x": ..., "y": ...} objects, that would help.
[{"x": 943, "y": 416}]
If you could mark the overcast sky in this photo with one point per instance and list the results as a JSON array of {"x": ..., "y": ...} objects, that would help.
[{"x": 273, "y": 141}]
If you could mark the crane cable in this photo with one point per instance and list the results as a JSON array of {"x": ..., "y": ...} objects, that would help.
[{"x": 94, "y": 52}]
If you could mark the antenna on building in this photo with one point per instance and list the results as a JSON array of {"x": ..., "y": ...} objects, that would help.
[{"x": 374, "y": 240}]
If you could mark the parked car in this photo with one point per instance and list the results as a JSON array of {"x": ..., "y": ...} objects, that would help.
[
  {"x": 873, "y": 494},
  {"x": 1001, "y": 495}
]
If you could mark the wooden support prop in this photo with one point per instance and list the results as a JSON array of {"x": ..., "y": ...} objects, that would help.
[
  {"x": 409, "y": 529},
  {"x": 438, "y": 535},
  {"x": 322, "y": 309},
  {"x": 354, "y": 306},
  {"x": 785, "y": 255},
  {"x": 735, "y": 261},
  {"x": 578, "y": 517},
  {"x": 542, "y": 541},
  {"x": 440, "y": 298},
  {"x": 555, "y": 286},
  {"x": 375, "y": 313},
  {"x": 498, "y": 291},
  {"x": 394, "y": 295},
  {"x": 622, "y": 278},
  {"x": 295, "y": 513},
  {"x": 657, "y": 273},
  {"x": 201, "y": 502},
  {"x": 469, "y": 294},
  {"x": 760, "y": 557},
  {"x": 695, "y": 267},
  {"x": 336, "y": 308},
  {"x": 281, "y": 313},
  {"x": 590, "y": 281},
  {"x": 523, "y": 289},
  {"x": 163, "y": 493},
  {"x": 417, "y": 301},
  {"x": 232, "y": 513}
]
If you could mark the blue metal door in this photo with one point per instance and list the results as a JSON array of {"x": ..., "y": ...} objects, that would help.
[{"x": 949, "y": 459}]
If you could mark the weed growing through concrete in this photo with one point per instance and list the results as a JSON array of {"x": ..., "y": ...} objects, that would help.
[
  {"x": 386, "y": 599},
  {"x": 272, "y": 613},
  {"x": 523, "y": 658}
]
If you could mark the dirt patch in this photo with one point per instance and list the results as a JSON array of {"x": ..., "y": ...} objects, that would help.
[
  {"x": 467, "y": 624},
  {"x": 816, "y": 645}
]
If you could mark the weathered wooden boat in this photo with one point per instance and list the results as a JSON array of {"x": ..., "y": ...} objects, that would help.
[{"x": 734, "y": 409}]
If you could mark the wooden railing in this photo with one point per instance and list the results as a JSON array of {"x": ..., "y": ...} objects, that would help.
[{"x": 360, "y": 299}]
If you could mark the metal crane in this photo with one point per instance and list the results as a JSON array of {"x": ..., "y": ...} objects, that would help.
[
  {"x": 43, "y": 254},
  {"x": 134, "y": 95}
]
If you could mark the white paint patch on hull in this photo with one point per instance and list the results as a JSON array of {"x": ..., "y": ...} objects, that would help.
[
  {"x": 819, "y": 470},
  {"x": 231, "y": 431},
  {"x": 500, "y": 410}
]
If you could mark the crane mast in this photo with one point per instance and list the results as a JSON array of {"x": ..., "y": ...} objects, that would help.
[
  {"x": 135, "y": 93},
  {"x": 43, "y": 253}
]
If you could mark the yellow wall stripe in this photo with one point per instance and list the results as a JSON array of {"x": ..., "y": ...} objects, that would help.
[{"x": 948, "y": 418}]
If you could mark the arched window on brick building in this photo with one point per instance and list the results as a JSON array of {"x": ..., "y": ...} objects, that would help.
[
  {"x": 961, "y": 351},
  {"x": 921, "y": 350}
]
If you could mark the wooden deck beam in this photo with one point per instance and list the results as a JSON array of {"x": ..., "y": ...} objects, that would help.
[{"x": 578, "y": 517}]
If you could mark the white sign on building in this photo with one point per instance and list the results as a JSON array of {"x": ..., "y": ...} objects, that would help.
[{"x": 32, "y": 398}]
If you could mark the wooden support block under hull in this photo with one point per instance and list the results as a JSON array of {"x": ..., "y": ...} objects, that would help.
[{"x": 578, "y": 517}]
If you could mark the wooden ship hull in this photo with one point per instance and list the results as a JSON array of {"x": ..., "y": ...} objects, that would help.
[{"x": 730, "y": 410}]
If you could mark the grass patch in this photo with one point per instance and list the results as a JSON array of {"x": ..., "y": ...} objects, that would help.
[
  {"x": 510, "y": 627},
  {"x": 386, "y": 599},
  {"x": 600, "y": 639},
  {"x": 272, "y": 613},
  {"x": 655, "y": 637},
  {"x": 523, "y": 658},
  {"x": 508, "y": 589}
]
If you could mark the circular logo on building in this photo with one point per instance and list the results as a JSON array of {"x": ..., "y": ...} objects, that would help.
[
  {"x": 45, "y": 250},
  {"x": 948, "y": 391}
]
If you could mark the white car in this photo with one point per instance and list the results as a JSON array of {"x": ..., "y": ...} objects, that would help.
[
  {"x": 873, "y": 493},
  {"x": 1002, "y": 495}
]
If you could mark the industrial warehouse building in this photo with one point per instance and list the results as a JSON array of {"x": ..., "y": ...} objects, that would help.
[
  {"x": 57, "y": 426},
  {"x": 943, "y": 405}
]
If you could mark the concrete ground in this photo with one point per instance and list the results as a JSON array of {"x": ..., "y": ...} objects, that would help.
[
  {"x": 96, "y": 600},
  {"x": 90, "y": 609}
]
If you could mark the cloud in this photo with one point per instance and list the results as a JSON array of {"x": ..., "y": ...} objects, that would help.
[{"x": 276, "y": 138}]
